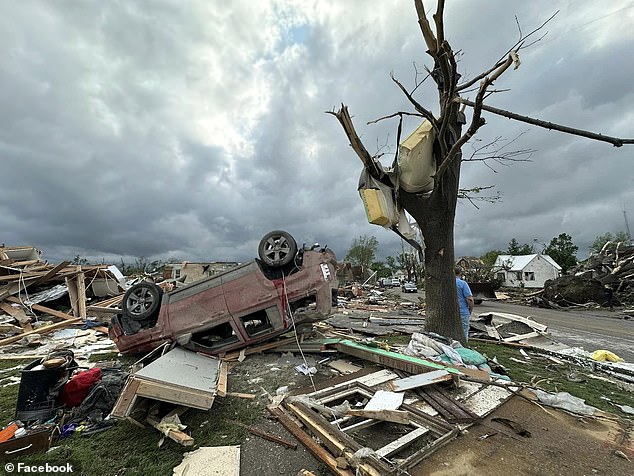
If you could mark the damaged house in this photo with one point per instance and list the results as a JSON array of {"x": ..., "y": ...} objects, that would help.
[{"x": 525, "y": 271}]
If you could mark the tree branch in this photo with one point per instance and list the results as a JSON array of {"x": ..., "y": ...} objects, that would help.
[
  {"x": 615, "y": 141},
  {"x": 516, "y": 47},
  {"x": 425, "y": 28},
  {"x": 396, "y": 114},
  {"x": 427, "y": 114},
  {"x": 438, "y": 20},
  {"x": 476, "y": 121},
  {"x": 368, "y": 161}
]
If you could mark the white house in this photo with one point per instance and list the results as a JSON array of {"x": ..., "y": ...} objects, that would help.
[{"x": 528, "y": 271}]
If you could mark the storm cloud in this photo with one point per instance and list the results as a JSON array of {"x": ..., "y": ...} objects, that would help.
[{"x": 188, "y": 130}]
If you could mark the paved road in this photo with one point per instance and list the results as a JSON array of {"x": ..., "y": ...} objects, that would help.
[{"x": 589, "y": 329}]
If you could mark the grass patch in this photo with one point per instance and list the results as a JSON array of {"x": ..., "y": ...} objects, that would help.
[
  {"x": 555, "y": 377},
  {"x": 9, "y": 393},
  {"x": 128, "y": 449}
]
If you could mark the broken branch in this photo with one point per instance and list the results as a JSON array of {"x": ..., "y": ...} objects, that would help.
[{"x": 615, "y": 141}]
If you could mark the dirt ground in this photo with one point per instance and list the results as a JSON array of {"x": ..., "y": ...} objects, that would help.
[
  {"x": 559, "y": 444},
  {"x": 263, "y": 375}
]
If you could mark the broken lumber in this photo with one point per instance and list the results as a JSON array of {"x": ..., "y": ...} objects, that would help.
[
  {"x": 176, "y": 435},
  {"x": 222, "y": 379},
  {"x": 394, "y": 416},
  {"x": 263, "y": 434},
  {"x": 412, "y": 365},
  {"x": 46, "y": 310},
  {"x": 304, "y": 438},
  {"x": 40, "y": 330}
]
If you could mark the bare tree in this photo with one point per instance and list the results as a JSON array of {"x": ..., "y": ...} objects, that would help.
[{"x": 434, "y": 212}]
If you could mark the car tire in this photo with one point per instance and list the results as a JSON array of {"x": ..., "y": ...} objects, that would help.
[
  {"x": 142, "y": 301},
  {"x": 277, "y": 248}
]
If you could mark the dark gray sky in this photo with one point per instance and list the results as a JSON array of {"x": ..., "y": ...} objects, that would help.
[{"x": 190, "y": 129}]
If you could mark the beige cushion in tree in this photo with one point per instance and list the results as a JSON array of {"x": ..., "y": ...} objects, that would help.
[{"x": 416, "y": 160}]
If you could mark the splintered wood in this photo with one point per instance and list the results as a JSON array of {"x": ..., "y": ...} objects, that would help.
[{"x": 26, "y": 281}]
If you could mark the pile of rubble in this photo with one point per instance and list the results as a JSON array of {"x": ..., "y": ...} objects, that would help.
[
  {"x": 32, "y": 292},
  {"x": 387, "y": 407},
  {"x": 605, "y": 279}
]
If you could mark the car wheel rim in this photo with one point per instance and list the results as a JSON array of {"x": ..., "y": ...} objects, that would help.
[
  {"x": 277, "y": 248},
  {"x": 139, "y": 301}
]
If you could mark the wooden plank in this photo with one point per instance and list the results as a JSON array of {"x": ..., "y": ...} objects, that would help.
[
  {"x": 71, "y": 284},
  {"x": 409, "y": 364},
  {"x": 18, "y": 314},
  {"x": 248, "y": 396},
  {"x": 344, "y": 366},
  {"x": 263, "y": 434},
  {"x": 24, "y": 275},
  {"x": 420, "y": 380},
  {"x": 47, "y": 310},
  {"x": 81, "y": 293},
  {"x": 371, "y": 380},
  {"x": 51, "y": 274},
  {"x": 400, "y": 443},
  {"x": 174, "y": 394},
  {"x": 107, "y": 303},
  {"x": 103, "y": 310},
  {"x": 306, "y": 440},
  {"x": 336, "y": 439},
  {"x": 259, "y": 348},
  {"x": 176, "y": 435},
  {"x": 127, "y": 397},
  {"x": 40, "y": 330},
  {"x": 394, "y": 416},
  {"x": 222, "y": 379},
  {"x": 451, "y": 409},
  {"x": 522, "y": 337}
]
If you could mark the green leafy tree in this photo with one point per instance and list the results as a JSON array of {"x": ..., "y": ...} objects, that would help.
[
  {"x": 362, "y": 252},
  {"x": 515, "y": 249},
  {"x": 600, "y": 241},
  {"x": 392, "y": 263},
  {"x": 382, "y": 271},
  {"x": 79, "y": 260},
  {"x": 563, "y": 251},
  {"x": 489, "y": 257}
]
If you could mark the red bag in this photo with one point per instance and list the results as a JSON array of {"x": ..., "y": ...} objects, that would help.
[{"x": 78, "y": 387}]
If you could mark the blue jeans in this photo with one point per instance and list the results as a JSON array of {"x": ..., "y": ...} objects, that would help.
[{"x": 464, "y": 318}]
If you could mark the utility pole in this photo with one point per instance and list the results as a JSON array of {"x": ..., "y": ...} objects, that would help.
[{"x": 627, "y": 225}]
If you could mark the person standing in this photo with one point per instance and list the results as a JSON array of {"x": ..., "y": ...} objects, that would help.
[
  {"x": 609, "y": 296},
  {"x": 465, "y": 302}
]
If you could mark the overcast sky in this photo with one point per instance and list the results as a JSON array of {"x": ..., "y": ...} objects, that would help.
[{"x": 187, "y": 130}]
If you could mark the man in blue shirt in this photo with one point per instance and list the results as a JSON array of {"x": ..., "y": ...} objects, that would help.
[{"x": 465, "y": 302}]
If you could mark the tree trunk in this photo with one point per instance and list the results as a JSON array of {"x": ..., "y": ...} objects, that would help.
[{"x": 435, "y": 218}]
